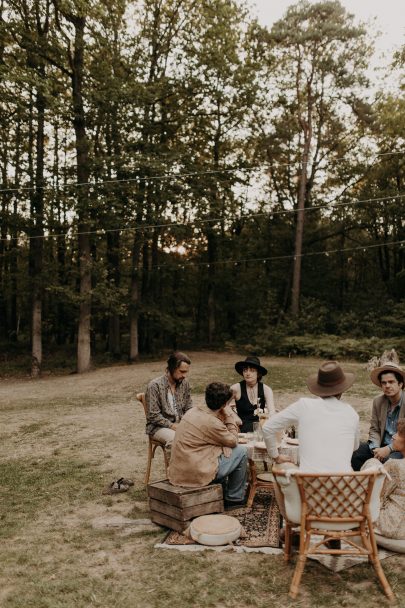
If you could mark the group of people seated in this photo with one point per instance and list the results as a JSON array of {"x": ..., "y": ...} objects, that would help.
[{"x": 204, "y": 438}]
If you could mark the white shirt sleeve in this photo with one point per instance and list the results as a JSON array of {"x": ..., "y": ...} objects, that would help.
[{"x": 277, "y": 423}]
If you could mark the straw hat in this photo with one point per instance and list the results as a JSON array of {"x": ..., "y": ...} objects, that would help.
[
  {"x": 387, "y": 367},
  {"x": 250, "y": 361},
  {"x": 330, "y": 380}
]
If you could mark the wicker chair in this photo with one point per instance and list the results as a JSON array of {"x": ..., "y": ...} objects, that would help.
[
  {"x": 153, "y": 444},
  {"x": 340, "y": 506}
]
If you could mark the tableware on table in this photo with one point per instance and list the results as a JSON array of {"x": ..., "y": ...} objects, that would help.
[{"x": 258, "y": 431}]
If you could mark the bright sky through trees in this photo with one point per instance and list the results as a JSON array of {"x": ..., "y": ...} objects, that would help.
[{"x": 389, "y": 17}]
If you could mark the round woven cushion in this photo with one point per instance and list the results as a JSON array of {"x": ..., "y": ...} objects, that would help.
[
  {"x": 215, "y": 529},
  {"x": 265, "y": 477},
  {"x": 392, "y": 544}
]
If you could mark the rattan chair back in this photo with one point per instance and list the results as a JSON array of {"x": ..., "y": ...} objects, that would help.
[{"x": 338, "y": 507}]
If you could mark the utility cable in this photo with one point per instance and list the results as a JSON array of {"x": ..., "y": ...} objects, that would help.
[
  {"x": 141, "y": 227},
  {"x": 165, "y": 176},
  {"x": 185, "y": 265}
]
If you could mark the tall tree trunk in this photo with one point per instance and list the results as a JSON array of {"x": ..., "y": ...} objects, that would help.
[
  {"x": 38, "y": 33},
  {"x": 299, "y": 235},
  {"x": 83, "y": 172},
  {"x": 36, "y": 242},
  {"x": 59, "y": 227},
  {"x": 211, "y": 235},
  {"x": 134, "y": 300},
  {"x": 37, "y": 233},
  {"x": 4, "y": 230},
  {"x": 299, "y": 229},
  {"x": 212, "y": 255},
  {"x": 113, "y": 261},
  {"x": 114, "y": 238}
]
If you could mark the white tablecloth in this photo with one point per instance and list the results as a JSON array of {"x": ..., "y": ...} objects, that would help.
[{"x": 257, "y": 451}]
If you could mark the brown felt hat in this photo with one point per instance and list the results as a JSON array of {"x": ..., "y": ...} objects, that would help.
[
  {"x": 330, "y": 380},
  {"x": 388, "y": 367},
  {"x": 251, "y": 361}
]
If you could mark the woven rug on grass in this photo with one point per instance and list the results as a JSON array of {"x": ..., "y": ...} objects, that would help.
[
  {"x": 342, "y": 562},
  {"x": 260, "y": 528}
]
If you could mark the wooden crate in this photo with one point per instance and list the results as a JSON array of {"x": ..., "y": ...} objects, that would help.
[{"x": 175, "y": 506}]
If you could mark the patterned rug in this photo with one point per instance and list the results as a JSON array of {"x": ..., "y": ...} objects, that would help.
[
  {"x": 260, "y": 525},
  {"x": 342, "y": 562}
]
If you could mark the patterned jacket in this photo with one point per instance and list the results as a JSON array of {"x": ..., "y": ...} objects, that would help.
[{"x": 162, "y": 413}]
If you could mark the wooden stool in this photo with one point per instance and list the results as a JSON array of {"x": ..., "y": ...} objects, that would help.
[
  {"x": 258, "y": 480},
  {"x": 175, "y": 506}
]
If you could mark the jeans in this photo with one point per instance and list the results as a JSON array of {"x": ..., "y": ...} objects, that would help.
[{"x": 232, "y": 473}]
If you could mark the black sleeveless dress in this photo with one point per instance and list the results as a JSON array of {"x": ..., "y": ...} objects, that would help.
[{"x": 245, "y": 409}]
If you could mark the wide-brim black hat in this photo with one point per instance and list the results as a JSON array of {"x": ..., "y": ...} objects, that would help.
[{"x": 250, "y": 362}]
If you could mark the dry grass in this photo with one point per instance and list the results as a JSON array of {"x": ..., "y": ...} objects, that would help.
[{"x": 62, "y": 439}]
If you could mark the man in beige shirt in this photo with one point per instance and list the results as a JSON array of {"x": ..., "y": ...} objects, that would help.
[{"x": 205, "y": 447}]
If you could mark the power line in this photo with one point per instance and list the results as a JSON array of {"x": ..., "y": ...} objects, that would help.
[
  {"x": 185, "y": 265},
  {"x": 103, "y": 231},
  {"x": 166, "y": 176}
]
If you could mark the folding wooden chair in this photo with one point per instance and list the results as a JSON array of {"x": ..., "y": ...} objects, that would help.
[
  {"x": 339, "y": 506},
  {"x": 258, "y": 480},
  {"x": 153, "y": 444}
]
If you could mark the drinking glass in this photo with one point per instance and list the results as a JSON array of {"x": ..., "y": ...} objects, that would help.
[{"x": 257, "y": 431}]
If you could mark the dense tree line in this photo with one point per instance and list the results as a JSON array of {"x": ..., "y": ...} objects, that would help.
[{"x": 173, "y": 173}]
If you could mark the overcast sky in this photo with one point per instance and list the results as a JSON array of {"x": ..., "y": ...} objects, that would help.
[{"x": 389, "y": 14}]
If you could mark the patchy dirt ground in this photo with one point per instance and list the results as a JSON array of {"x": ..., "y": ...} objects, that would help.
[{"x": 95, "y": 419}]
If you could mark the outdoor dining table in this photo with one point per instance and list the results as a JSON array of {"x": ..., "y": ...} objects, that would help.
[{"x": 257, "y": 452}]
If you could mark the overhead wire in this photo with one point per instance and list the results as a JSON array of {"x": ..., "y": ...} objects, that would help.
[
  {"x": 270, "y": 213},
  {"x": 326, "y": 253},
  {"x": 168, "y": 176}
]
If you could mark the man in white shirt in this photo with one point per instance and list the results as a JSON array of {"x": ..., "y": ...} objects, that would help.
[{"x": 328, "y": 428}]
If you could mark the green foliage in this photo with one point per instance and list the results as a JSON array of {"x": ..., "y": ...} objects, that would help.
[
  {"x": 200, "y": 91},
  {"x": 328, "y": 346}
]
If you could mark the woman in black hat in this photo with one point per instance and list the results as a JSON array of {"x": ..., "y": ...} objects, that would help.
[{"x": 251, "y": 395}]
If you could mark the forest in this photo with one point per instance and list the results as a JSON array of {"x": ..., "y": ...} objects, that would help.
[{"x": 175, "y": 175}]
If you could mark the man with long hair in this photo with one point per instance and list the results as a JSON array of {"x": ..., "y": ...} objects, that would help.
[{"x": 168, "y": 398}]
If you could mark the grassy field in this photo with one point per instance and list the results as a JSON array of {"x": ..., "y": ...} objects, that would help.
[{"x": 64, "y": 438}]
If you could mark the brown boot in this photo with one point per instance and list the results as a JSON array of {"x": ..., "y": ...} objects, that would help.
[{"x": 295, "y": 538}]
